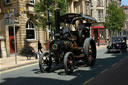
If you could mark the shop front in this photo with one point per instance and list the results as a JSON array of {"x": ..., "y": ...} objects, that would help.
[{"x": 99, "y": 34}]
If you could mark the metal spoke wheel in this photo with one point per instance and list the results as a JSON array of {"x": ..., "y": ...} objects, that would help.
[
  {"x": 90, "y": 51},
  {"x": 68, "y": 62},
  {"x": 45, "y": 62}
]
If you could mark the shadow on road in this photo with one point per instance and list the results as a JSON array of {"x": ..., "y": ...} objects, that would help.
[{"x": 80, "y": 75}]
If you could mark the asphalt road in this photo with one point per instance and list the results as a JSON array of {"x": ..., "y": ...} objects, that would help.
[
  {"x": 30, "y": 75},
  {"x": 116, "y": 75}
]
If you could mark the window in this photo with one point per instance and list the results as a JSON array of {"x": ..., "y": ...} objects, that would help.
[
  {"x": 30, "y": 30},
  {"x": 7, "y": 1},
  {"x": 99, "y": 2},
  {"x": 126, "y": 11},
  {"x": 127, "y": 18},
  {"x": 127, "y": 25},
  {"x": 100, "y": 15},
  {"x": 32, "y": 1},
  {"x": 87, "y": 9},
  {"x": 92, "y": 12},
  {"x": 102, "y": 34},
  {"x": 91, "y": 3}
]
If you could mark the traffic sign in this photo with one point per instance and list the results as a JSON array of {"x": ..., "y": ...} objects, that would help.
[
  {"x": 9, "y": 18},
  {"x": 6, "y": 19}
]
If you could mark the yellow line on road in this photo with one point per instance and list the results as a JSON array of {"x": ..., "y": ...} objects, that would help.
[
  {"x": 17, "y": 68},
  {"x": 88, "y": 81}
]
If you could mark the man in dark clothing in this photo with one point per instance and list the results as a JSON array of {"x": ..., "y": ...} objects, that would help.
[
  {"x": 39, "y": 47},
  {"x": 81, "y": 25}
]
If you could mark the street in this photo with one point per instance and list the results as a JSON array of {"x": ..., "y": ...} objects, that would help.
[{"x": 31, "y": 75}]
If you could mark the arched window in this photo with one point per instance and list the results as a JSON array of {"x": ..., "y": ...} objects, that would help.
[
  {"x": 7, "y": 1},
  {"x": 30, "y": 30},
  {"x": 32, "y": 1}
]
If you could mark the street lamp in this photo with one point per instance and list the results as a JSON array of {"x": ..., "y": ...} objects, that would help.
[
  {"x": 48, "y": 15},
  {"x": 49, "y": 23}
]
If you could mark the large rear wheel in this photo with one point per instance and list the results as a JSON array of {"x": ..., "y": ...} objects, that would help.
[
  {"x": 45, "y": 62},
  {"x": 90, "y": 51}
]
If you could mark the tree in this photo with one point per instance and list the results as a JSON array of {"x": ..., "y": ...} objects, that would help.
[
  {"x": 114, "y": 19},
  {"x": 41, "y": 10}
]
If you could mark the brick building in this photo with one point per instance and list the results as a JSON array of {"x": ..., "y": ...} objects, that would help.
[{"x": 26, "y": 32}]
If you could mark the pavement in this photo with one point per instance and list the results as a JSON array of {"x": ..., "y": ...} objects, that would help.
[{"x": 10, "y": 62}]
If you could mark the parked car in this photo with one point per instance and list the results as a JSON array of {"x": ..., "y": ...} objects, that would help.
[{"x": 118, "y": 44}]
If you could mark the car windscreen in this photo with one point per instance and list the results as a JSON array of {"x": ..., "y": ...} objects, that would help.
[{"x": 116, "y": 40}]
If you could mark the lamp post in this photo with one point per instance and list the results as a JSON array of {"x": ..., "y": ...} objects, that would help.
[
  {"x": 49, "y": 19},
  {"x": 48, "y": 15}
]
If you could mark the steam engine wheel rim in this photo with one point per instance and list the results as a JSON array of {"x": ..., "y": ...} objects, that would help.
[
  {"x": 44, "y": 62},
  {"x": 90, "y": 51},
  {"x": 68, "y": 63}
]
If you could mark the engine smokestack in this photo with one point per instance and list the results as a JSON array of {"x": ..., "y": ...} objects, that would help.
[{"x": 57, "y": 20}]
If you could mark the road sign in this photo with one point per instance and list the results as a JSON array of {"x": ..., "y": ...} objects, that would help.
[
  {"x": 6, "y": 19},
  {"x": 11, "y": 18}
]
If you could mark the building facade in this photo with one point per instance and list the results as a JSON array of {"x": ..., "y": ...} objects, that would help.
[
  {"x": 25, "y": 30},
  {"x": 79, "y": 6},
  {"x": 98, "y": 11},
  {"x": 125, "y": 28}
]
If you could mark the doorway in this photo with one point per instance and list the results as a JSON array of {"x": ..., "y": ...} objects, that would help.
[
  {"x": 0, "y": 50},
  {"x": 11, "y": 40},
  {"x": 96, "y": 34}
]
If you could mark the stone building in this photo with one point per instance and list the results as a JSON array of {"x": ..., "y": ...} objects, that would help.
[
  {"x": 79, "y": 6},
  {"x": 125, "y": 28},
  {"x": 98, "y": 11},
  {"x": 25, "y": 30}
]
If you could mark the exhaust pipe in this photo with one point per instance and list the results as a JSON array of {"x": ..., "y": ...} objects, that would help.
[{"x": 57, "y": 20}]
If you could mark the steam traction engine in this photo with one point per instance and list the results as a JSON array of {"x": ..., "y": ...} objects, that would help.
[{"x": 69, "y": 46}]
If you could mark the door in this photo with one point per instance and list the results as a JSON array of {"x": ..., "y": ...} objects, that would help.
[
  {"x": 102, "y": 36},
  {"x": 96, "y": 34},
  {"x": 11, "y": 40},
  {"x": 0, "y": 50}
]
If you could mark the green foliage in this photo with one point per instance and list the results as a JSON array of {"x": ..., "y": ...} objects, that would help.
[
  {"x": 115, "y": 17},
  {"x": 41, "y": 9}
]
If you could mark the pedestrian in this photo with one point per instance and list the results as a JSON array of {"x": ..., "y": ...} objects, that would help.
[
  {"x": 98, "y": 41},
  {"x": 32, "y": 52},
  {"x": 39, "y": 47}
]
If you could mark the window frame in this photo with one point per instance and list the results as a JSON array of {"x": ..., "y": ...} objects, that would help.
[
  {"x": 7, "y": 1},
  {"x": 32, "y": 2},
  {"x": 100, "y": 15},
  {"x": 100, "y": 3},
  {"x": 30, "y": 28}
]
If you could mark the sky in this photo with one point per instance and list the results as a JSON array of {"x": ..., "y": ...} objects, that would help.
[{"x": 124, "y": 2}]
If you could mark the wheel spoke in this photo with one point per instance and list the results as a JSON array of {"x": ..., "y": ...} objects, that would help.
[
  {"x": 44, "y": 63},
  {"x": 90, "y": 53}
]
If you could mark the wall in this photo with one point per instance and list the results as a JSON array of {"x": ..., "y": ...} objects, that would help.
[{"x": 23, "y": 14}]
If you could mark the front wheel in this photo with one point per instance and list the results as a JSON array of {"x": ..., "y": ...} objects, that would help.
[
  {"x": 68, "y": 62},
  {"x": 45, "y": 62},
  {"x": 90, "y": 51}
]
